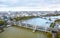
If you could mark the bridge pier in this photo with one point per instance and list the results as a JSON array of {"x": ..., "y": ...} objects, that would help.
[{"x": 34, "y": 28}]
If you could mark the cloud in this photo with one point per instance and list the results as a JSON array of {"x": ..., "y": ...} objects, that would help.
[
  {"x": 2, "y": 5},
  {"x": 30, "y": 4}
]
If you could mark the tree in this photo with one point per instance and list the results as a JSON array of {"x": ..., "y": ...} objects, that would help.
[{"x": 2, "y": 22}]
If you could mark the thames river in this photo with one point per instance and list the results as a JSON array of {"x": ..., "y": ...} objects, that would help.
[{"x": 18, "y": 32}]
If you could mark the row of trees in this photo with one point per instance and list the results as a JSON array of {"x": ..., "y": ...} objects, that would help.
[
  {"x": 3, "y": 23},
  {"x": 22, "y": 18}
]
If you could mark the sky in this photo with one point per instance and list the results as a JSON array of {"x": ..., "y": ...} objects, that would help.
[{"x": 39, "y": 5}]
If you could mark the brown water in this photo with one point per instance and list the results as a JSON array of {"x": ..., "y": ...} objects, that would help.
[{"x": 18, "y": 32}]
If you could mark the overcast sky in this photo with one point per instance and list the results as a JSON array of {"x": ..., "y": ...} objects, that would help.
[{"x": 29, "y": 5}]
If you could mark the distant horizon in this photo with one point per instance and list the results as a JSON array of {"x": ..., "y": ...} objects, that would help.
[{"x": 26, "y": 9}]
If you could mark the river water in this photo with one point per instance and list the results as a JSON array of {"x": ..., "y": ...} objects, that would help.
[
  {"x": 38, "y": 22},
  {"x": 18, "y": 32}
]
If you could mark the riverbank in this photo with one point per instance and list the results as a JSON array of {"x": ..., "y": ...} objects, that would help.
[{"x": 23, "y": 18}]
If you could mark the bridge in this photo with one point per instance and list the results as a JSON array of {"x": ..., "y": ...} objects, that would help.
[{"x": 36, "y": 27}]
